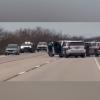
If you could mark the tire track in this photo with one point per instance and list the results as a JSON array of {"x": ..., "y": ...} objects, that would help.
[
  {"x": 20, "y": 59},
  {"x": 28, "y": 70},
  {"x": 31, "y": 69}
]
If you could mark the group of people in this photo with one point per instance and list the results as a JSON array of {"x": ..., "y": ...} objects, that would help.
[{"x": 54, "y": 48}]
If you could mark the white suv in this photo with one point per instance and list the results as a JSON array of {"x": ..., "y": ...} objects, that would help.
[{"x": 74, "y": 48}]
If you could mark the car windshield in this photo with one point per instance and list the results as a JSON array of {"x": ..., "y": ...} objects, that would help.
[
  {"x": 42, "y": 43},
  {"x": 26, "y": 44},
  {"x": 12, "y": 46},
  {"x": 76, "y": 43}
]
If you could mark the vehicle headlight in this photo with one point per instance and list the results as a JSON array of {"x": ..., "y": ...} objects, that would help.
[{"x": 21, "y": 47}]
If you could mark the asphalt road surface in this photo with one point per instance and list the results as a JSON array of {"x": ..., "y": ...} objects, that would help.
[{"x": 41, "y": 67}]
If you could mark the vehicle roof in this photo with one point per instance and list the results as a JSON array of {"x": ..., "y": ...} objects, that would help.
[
  {"x": 92, "y": 42},
  {"x": 42, "y": 42},
  {"x": 97, "y": 42},
  {"x": 72, "y": 41},
  {"x": 13, "y": 44}
]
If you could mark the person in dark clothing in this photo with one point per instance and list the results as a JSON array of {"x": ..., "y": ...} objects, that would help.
[
  {"x": 58, "y": 48},
  {"x": 54, "y": 48},
  {"x": 50, "y": 49},
  {"x": 87, "y": 49}
]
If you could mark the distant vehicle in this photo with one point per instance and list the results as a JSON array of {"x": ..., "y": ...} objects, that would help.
[
  {"x": 90, "y": 48},
  {"x": 94, "y": 48},
  {"x": 12, "y": 49},
  {"x": 74, "y": 48},
  {"x": 42, "y": 46},
  {"x": 97, "y": 51},
  {"x": 27, "y": 47}
]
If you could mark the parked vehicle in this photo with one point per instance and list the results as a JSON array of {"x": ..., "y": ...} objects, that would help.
[
  {"x": 42, "y": 46},
  {"x": 12, "y": 49},
  {"x": 27, "y": 47},
  {"x": 94, "y": 48},
  {"x": 74, "y": 48},
  {"x": 97, "y": 51}
]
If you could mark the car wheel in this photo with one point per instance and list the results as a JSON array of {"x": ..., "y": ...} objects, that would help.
[
  {"x": 51, "y": 55},
  {"x": 96, "y": 55},
  {"x": 22, "y": 51},
  {"x": 66, "y": 56},
  {"x": 6, "y": 54},
  {"x": 82, "y": 56},
  {"x": 76, "y": 56},
  {"x": 60, "y": 55}
]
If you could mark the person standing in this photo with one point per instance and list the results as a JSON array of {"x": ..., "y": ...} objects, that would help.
[{"x": 87, "y": 47}]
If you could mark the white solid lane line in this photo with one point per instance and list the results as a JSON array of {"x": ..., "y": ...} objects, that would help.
[{"x": 97, "y": 63}]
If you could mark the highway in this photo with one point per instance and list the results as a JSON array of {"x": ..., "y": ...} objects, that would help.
[{"x": 41, "y": 67}]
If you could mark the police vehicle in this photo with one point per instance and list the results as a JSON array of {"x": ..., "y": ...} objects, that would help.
[{"x": 27, "y": 47}]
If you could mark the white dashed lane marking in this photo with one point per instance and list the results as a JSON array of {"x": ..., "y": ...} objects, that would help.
[
  {"x": 37, "y": 66},
  {"x": 21, "y": 73}
]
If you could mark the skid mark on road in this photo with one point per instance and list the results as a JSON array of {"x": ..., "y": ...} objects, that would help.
[
  {"x": 28, "y": 70},
  {"x": 97, "y": 63},
  {"x": 33, "y": 68}
]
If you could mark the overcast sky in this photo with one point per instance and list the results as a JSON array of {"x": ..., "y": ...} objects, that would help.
[
  {"x": 50, "y": 10},
  {"x": 87, "y": 29}
]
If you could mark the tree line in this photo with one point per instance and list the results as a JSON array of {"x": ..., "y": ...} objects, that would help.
[{"x": 34, "y": 35}]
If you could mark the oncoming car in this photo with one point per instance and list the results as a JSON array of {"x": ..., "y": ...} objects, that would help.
[
  {"x": 27, "y": 47},
  {"x": 12, "y": 49},
  {"x": 42, "y": 46}
]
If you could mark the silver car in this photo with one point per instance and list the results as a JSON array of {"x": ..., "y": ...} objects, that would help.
[
  {"x": 74, "y": 48},
  {"x": 12, "y": 49}
]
